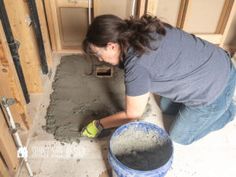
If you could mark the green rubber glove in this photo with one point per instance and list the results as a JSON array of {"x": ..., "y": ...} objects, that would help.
[{"x": 92, "y": 130}]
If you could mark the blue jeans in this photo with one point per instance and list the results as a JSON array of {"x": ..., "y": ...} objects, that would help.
[{"x": 192, "y": 123}]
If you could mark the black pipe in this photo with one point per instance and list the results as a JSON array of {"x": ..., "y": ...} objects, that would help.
[
  {"x": 13, "y": 46},
  {"x": 38, "y": 33}
]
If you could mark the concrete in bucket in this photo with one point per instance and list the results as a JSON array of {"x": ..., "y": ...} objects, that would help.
[{"x": 140, "y": 149}]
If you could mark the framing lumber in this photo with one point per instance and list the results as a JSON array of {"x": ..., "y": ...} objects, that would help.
[
  {"x": 141, "y": 7},
  {"x": 152, "y": 7},
  {"x": 55, "y": 23},
  {"x": 3, "y": 168},
  {"x": 182, "y": 13},
  {"x": 228, "y": 25},
  {"x": 224, "y": 16},
  {"x": 51, "y": 28},
  {"x": 44, "y": 29},
  {"x": 10, "y": 84},
  {"x": 7, "y": 146},
  {"x": 22, "y": 30}
]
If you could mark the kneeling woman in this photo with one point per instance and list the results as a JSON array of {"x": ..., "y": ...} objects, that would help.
[{"x": 195, "y": 79}]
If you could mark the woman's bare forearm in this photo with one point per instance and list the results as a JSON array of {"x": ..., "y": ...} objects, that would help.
[
  {"x": 135, "y": 107},
  {"x": 115, "y": 120}
]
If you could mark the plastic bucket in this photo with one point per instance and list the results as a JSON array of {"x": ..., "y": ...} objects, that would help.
[{"x": 140, "y": 149}]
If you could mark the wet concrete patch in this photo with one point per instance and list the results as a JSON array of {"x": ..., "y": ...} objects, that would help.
[{"x": 79, "y": 98}]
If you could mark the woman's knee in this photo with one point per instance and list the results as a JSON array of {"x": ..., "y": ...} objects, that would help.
[
  {"x": 168, "y": 107},
  {"x": 181, "y": 139}
]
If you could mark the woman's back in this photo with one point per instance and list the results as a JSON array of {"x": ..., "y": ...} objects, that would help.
[{"x": 184, "y": 68}]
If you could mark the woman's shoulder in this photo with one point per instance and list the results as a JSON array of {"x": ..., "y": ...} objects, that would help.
[{"x": 130, "y": 60}]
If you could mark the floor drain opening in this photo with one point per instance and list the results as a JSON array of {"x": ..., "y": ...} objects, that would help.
[{"x": 104, "y": 71}]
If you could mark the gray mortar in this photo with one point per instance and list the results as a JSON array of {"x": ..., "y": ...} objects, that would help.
[
  {"x": 141, "y": 150},
  {"x": 79, "y": 98}
]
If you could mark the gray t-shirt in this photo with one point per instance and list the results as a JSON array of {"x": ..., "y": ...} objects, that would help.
[{"x": 184, "y": 68}]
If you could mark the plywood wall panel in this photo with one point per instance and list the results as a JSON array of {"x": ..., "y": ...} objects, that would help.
[
  {"x": 168, "y": 11},
  {"x": 202, "y": 16},
  {"x": 74, "y": 24},
  {"x": 121, "y": 8}
]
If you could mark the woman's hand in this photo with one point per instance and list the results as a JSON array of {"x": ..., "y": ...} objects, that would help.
[
  {"x": 135, "y": 106},
  {"x": 92, "y": 130}
]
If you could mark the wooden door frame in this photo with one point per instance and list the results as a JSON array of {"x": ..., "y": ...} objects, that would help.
[{"x": 52, "y": 13}]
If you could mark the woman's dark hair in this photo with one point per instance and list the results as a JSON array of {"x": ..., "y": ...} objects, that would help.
[{"x": 133, "y": 32}]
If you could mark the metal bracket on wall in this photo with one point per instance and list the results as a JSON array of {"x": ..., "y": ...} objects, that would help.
[{"x": 22, "y": 151}]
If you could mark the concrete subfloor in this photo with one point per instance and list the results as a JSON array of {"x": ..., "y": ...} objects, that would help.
[{"x": 212, "y": 156}]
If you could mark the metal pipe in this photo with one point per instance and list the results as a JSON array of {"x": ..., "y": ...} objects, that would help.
[
  {"x": 13, "y": 46},
  {"x": 20, "y": 149},
  {"x": 90, "y": 11},
  {"x": 133, "y": 8},
  {"x": 38, "y": 33}
]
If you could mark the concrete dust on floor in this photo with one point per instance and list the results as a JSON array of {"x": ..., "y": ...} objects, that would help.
[{"x": 212, "y": 156}]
